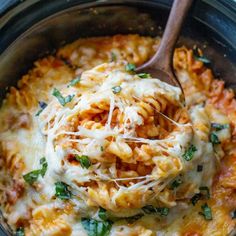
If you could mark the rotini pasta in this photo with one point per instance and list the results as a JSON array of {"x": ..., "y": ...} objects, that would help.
[{"x": 89, "y": 147}]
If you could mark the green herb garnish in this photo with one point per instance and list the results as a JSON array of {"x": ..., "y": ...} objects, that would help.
[
  {"x": 196, "y": 198},
  {"x": 32, "y": 176},
  {"x": 42, "y": 106},
  {"x": 44, "y": 164},
  {"x": 206, "y": 212},
  {"x": 218, "y": 126},
  {"x": 188, "y": 155},
  {"x": 116, "y": 89},
  {"x": 73, "y": 82},
  {"x": 204, "y": 194},
  {"x": 200, "y": 58},
  {"x": 143, "y": 75},
  {"x": 102, "y": 213},
  {"x": 149, "y": 209},
  {"x": 130, "y": 67},
  {"x": 176, "y": 183},
  {"x": 214, "y": 138},
  {"x": 205, "y": 191},
  {"x": 62, "y": 190},
  {"x": 113, "y": 57},
  {"x": 83, "y": 160},
  {"x": 203, "y": 59},
  {"x": 233, "y": 214},
  {"x": 20, "y": 232},
  {"x": 63, "y": 100},
  {"x": 102, "y": 148},
  {"x": 95, "y": 227}
]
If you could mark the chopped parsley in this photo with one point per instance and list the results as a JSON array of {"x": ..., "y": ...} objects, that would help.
[
  {"x": 203, "y": 59},
  {"x": 134, "y": 218},
  {"x": 143, "y": 75},
  {"x": 149, "y": 209},
  {"x": 116, "y": 89},
  {"x": 130, "y": 67},
  {"x": 32, "y": 176},
  {"x": 214, "y": 138},
  {"x": 62, "y": 100},
  {"x": 176, "y": 183},
  {"x": 204, "y": 194},
  {"x": 20, "y": 232},
  {"x": 102, "y": 213},
  {"x": 62, "y": 191},
  {"x": 73, "y": 82},
  {"x": 83, "y": 160},
  {"x": 42, "y": 106},
  {"x": 188, "y": 155},
  {"x": 233, "y": 214},
  {"x": 196, "y": 198},
  {"x": 206, "y": 212},
  {"x": 199, "y": 168},
  {"x": 113, "y": 57},
  {"x": 95, "y": 227},
  {"x": 218, "y": 126}
]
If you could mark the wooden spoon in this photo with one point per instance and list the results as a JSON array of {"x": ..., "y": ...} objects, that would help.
[{"x": 160, "y": 65}]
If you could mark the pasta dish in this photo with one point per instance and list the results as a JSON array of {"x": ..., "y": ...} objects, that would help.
[{"x": 90, "y": 147}]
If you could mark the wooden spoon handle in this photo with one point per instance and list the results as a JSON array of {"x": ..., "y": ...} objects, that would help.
[{"x": 163, "y": 57}]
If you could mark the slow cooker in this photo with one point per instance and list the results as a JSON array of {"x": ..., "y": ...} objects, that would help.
[{"x": 31, "y": 29}]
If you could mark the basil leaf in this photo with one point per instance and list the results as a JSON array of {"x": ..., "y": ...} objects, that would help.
[
  {"x": 233, "y": 214},
  {"x": 96, "y": 228},
  {"x": 206, "y": 190},
  {"x": 73, "y": 82},
  {"x": 200, "y": 58},
  {"x": 218, "y": 126},
  {"x": 188, "y": 155},
  {"x": 44, "y": 164},
  {"x": 204, "y": 194},
  {"x": 62, "y": 100},
  {"x": 143, "y": 75},
  {"x": 214, "y": 138},
  {"x": 116, "y": 89},
  {"x": 203, "y": 59},
  {"x": 113, "y": 57},
  {"x": 20, "y": 232},
  {"x": 196, "y": 198},
  {"x": 32, "y": 176},
  {"x": 176, "y": 183},
  {"x": 134, "y": 218},
  {"x": 83, "y": 160},
  {"x": 102, "y": 213},
  {"x": 130, "y": 67},
  {"x": 149, "y": 209},
  {"x": 62, "y": 191},
  {"x": 42, "y": 106},
  {"x": 206, "y": 212}
]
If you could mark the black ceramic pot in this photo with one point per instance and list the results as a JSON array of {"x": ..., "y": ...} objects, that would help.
[{"x": 33, "y": 28}]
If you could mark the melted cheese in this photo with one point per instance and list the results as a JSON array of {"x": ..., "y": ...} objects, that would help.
[{"x": 129, "y": 167}]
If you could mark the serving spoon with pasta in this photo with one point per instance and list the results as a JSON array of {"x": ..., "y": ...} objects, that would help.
[{"x": 160, "y": 65}]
